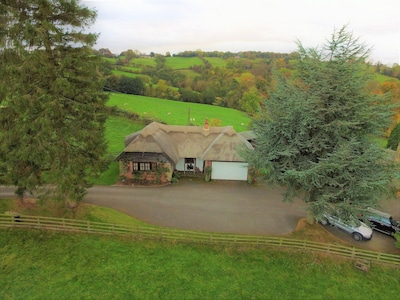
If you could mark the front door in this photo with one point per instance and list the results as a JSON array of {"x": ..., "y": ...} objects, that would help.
[{"x": 190, "y": 165}]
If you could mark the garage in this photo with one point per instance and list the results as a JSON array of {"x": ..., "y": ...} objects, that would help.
[{"x": 229, "y": 170}]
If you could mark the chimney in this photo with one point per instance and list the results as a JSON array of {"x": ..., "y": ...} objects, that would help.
[{"x": 205, "y": 126}]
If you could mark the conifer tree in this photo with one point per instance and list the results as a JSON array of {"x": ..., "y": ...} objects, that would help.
[
  {"x": 314, "y": 137},
  {"x": 52, "y": 105}
]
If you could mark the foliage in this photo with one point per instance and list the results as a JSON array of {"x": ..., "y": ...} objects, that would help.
[
  {"x": 53, "y": 114},
  {"x": 250, "y": 102},
  {"x": 394, "y": 138},
  {"x": 207, "y": 173},
  {"x": 125, "y": 84},
  {"x": 313, "y": 138}
]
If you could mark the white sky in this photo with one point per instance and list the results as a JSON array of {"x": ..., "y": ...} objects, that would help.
[{"x": 230, "y": 25}]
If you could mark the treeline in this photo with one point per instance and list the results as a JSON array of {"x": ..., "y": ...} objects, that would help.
[
  {"x": 242, "y": 54},
  {"x": 393, "y": 71},
  {"x": 242, "y": 82}
]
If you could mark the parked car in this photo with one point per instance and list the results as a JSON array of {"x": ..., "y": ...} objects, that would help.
[
  {"x": 381, "y": 221},
  {"x": 358, "y": 230}
]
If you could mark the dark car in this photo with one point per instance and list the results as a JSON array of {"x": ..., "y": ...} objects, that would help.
[{"x": 382, "y": 222}]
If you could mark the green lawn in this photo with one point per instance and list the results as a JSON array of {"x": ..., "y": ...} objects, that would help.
[
  {"x": 51, "y": 265},
  {"x": 178, "y": 113}
]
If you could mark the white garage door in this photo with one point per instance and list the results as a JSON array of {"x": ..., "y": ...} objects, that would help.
[{"x": 229, "y": 171}]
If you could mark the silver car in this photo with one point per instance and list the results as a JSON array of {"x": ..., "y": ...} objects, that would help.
[{"x": 358, "y": 230}]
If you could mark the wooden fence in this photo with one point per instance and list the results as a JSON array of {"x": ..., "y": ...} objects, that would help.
[{"x": 148, "y": 232}]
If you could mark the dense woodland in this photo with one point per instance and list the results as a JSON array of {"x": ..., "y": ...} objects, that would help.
[{"x": 235, "y": 80}]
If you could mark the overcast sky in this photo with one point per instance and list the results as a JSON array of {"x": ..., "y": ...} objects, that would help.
[{"x": 229, "y": 25}]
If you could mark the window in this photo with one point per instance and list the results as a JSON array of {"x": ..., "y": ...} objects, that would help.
[{"x": 142, "y": 166}]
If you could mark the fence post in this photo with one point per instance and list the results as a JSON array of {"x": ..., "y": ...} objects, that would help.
[
  {"x": 211, "y": 239},
  {"x": 88, "y": 226}
]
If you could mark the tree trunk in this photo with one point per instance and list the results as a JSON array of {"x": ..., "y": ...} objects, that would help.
[
  {"x": 310, "y": 217},
  {"x": 71, "y": 204}
]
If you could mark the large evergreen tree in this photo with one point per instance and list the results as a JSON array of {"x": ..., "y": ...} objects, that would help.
[
  {"x": 52, "y": 105},
  {"x": 314, "y": 137}
]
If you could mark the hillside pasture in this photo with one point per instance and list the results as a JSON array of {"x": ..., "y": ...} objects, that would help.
[
  {"x": 117, "y": 128},
  {"x": 383, "y": 78},
  {"x": 142, "y": 61},
  {"x": 129, "y": 69},
  {"x": 178, "y": 63},
  {"x": 179, "y": 113},
  {"x": 189, "y": 73},
  {"x": 126, "y": 74},
  {"x": 216, "y": 62}
]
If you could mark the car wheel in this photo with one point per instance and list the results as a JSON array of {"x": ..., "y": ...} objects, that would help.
[{"x": 357, "y": 236}]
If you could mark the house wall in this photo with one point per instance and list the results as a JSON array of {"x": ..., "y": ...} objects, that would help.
[
  {"x": 126, "y": 169},
  {"x": 180, "y": 166}
]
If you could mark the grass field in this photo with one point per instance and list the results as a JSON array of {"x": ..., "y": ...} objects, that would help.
[
  {"x": 117, "y": 128},
  {"x": 143, "y": 62},
  {"x": 49, "y": 265},
  {"x": 177, "y": 63},
  {"x": 216, "y": 62},
  {"x": 52, "y": 265},
  {"x": 382, "y": 78},
  {"x": 126, "y": 74},
  {"x": 177, "y": 113}
]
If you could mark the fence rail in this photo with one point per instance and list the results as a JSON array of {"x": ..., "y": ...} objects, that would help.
[{"x": 192, "y": 236}]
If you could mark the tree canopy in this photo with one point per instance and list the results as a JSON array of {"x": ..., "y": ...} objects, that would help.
[
  {"x": 314, "y": 136},
  {"x": 52, "y": 104}
]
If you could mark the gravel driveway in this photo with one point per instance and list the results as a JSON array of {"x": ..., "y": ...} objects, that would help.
[
  {"x": 232, "y": 207},
  {"x": 192, "y": 204}
]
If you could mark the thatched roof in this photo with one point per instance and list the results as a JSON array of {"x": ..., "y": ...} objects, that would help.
[{"x": 215, "y": 143}]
